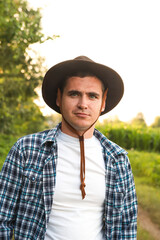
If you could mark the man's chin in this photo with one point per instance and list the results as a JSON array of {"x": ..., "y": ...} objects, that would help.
[{"x": 82, "y": 128}]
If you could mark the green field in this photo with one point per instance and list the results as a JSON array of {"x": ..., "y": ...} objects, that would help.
[
  {"x": 132, "y": 137},
  {"x": 146, "y": 170}
]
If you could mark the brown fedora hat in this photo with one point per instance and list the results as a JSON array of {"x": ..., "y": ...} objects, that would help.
[{"x": 58, "y": 73}]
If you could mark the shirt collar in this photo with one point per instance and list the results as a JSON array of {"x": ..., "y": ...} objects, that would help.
[{"x": 52, "y": 135}]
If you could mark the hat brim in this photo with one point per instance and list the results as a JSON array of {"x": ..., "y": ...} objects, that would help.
[{"x": 59, "y": 72}]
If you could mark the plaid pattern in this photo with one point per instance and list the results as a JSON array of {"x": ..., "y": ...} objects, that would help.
[{"x": 27, "y": 182}]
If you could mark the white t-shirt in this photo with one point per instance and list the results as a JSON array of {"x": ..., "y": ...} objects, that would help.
[{"x": 71, "y": 217}]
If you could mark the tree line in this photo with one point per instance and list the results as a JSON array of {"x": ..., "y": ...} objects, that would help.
[{"x": 20, "y": 27}]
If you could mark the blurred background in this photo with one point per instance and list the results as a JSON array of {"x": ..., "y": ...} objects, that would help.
[{"x": 122, "y": 34}]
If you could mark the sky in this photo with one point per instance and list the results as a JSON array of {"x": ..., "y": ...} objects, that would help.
[{"x": 122, "y": 34}]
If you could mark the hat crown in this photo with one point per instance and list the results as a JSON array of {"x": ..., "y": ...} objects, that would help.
[{"x": 83, "y": 58}]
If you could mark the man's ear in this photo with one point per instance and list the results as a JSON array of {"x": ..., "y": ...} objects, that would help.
[
  {"x": 104, "y": 100},
  {"x": 58, "y": 99}
]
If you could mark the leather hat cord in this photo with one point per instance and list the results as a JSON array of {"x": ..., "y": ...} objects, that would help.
[{"x": 82, "y": 150}]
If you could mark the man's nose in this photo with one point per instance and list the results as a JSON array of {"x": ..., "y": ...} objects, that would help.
[{"x": 82, "y": 103}]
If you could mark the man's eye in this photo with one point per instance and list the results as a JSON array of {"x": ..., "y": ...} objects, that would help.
[
  {"x": 73, "y": 94},
  {"x": 92, "y": 96}
]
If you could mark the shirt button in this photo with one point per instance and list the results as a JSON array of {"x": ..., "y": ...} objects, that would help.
[{"x": 33, "y": 179}]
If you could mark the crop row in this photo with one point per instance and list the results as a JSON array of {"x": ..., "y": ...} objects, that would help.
[{"x": 129, "y": 137}]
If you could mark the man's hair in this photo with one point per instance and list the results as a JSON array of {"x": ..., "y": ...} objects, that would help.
[{"x": 79, "y": 74}]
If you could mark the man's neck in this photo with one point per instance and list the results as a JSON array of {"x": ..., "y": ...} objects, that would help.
[{"x": 69, "y": 131}]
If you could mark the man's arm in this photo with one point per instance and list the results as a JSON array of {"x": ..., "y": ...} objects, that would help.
[
  {"x": 10, "y": 185},
  {"x": 129, "y": 217}
]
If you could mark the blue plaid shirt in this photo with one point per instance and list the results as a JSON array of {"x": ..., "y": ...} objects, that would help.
[{"x": 27, "y": 183}]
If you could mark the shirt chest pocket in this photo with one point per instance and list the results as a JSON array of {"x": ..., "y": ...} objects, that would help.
[{"x": 32, "y": 185}]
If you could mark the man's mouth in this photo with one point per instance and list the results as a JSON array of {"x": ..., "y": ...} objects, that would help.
[{"x": 81, "y": 114}]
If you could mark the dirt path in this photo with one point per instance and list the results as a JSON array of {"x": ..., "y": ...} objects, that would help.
[{"x": 146, "y": 223}]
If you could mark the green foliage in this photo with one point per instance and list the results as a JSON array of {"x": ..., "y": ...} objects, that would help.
[
  {"x": 156, "y": 123},
  {"x": 132, "y": 137},
  {"x": 19, "y": 73},
  {"x": 29, "y": 119},
  {"x": 6, "y": 142},
  {"x": 146, "y": 165}
]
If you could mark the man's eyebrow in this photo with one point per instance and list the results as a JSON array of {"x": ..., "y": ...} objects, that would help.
[
  {"x": 79, "y": 92},
  {"x": 73, "y": 91},
  {"x": 93, "y": 93}
]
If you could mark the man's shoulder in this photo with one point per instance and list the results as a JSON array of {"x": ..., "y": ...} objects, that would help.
[
  {"x": 38, "y": 135},
  {"x": 37, "y": 139}
]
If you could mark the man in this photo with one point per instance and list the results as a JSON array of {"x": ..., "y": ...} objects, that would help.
[{"x": 71, "y": 182}]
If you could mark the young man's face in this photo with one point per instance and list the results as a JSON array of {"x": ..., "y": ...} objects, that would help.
[{"x": 80, "y": 103}]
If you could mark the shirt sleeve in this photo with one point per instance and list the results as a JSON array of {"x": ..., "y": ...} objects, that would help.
[
  {"x": 129, "y": 215},
  {"x": 10, "y": 187}
]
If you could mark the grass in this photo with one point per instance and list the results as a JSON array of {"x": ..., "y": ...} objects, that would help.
[
  {"x": 149, "y": 199},
  {"x": 146, "y": 170},
  {"x": 145, "y": 166}
]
